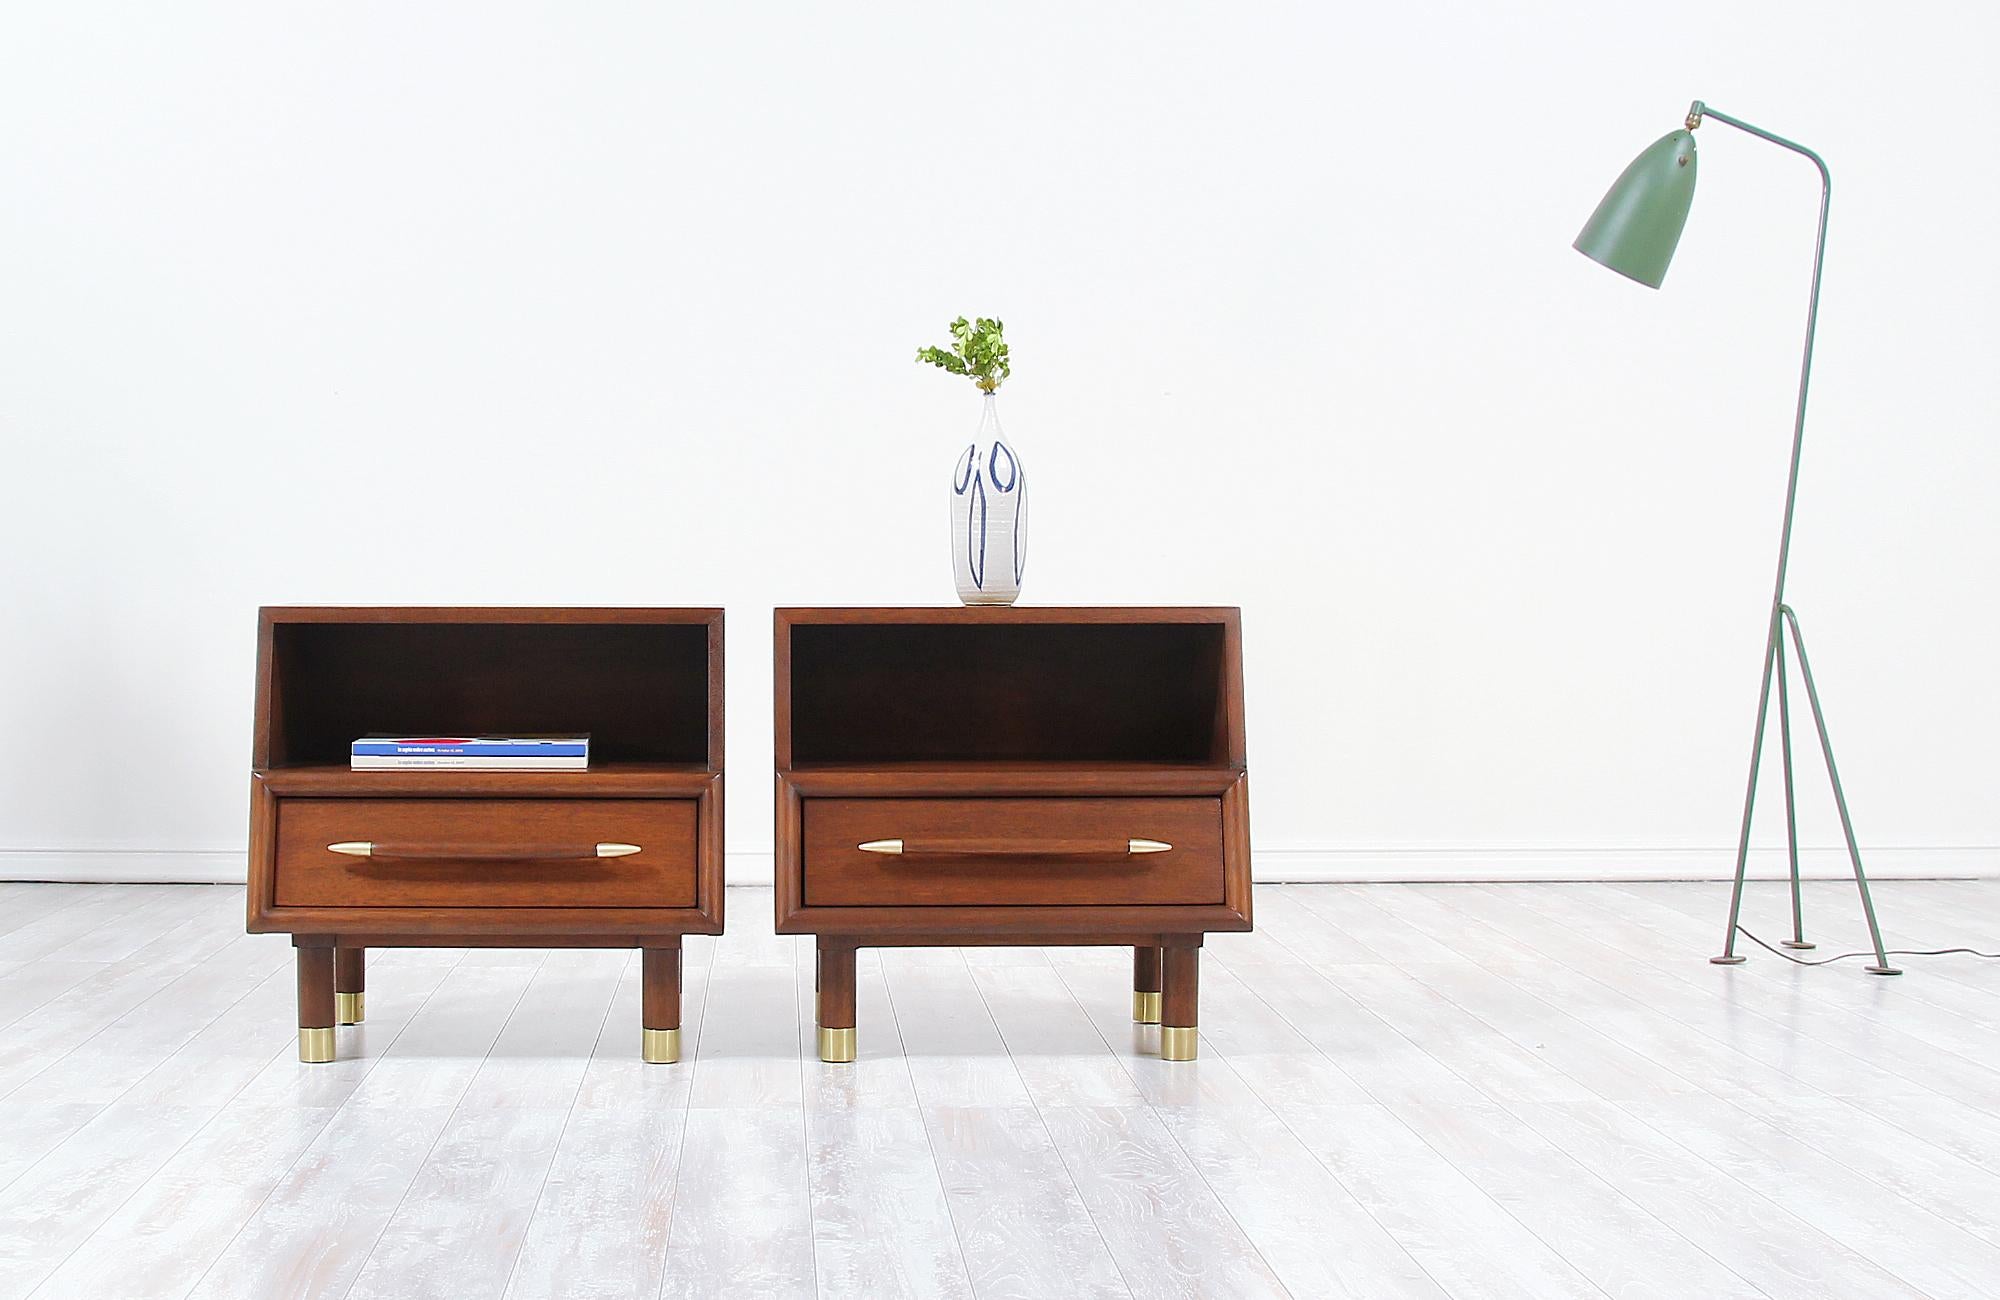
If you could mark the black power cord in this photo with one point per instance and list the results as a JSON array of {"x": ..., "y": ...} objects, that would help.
[{"x": 1893, "y": 952}]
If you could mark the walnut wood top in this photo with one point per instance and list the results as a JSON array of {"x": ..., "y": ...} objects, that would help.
[
  {"x": 488, "y": 614},
  {"x": 1021, "y": 614}
]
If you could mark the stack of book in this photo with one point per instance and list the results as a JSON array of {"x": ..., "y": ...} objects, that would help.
[{"x": 470, "y": 753}]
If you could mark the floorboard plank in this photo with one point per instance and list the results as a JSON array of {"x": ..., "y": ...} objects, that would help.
[
  {"x": 1786, "y": 1257},
  {"x": 1316, "y": 1237},
  {"x": 600, "y": 1228},
  {"x": 462, "y": 1220},
  {"x": 742, "y": 1212},
  {"x": 61, "y": 1199},
  {"x": 1459, "y": 1234},
  {"x": 1821, "y": 1186},
  {"x": 881, "y": 1224},
  {"x": 160, "y": 1242},
  {"x": 311, "y": 1236},
  {"x": 1466, "y": 1090},
  {"x": 1603, "y": 1233},
  {"x": 1023, "y": 1227},
  {"x": 951, "y": 1046},
  {"x": 1134, "y": 1176}
]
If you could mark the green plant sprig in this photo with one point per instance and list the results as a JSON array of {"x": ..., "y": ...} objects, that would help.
[{"x": 977, "y": 350}]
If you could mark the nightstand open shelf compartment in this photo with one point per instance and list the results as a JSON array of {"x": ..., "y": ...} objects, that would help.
[
  {"x": 1012, "y": 776},
  {"x": 627, "y": 853}
]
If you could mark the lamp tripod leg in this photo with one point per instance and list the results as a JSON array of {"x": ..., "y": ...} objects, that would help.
[
  {"x": 1729, "y": 957},
  {"x": 1798, "y": 939},
  {"x": 1881, "y": 966}
]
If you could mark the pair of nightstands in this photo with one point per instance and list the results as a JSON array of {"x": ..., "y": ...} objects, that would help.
[{"x": 945, "y": 776}]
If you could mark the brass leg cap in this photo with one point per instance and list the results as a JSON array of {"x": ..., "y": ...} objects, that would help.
[
  {"x": 1177, "y": 1043},
  {"x": 316, "y": 1045},
  {"x": 836, "y": 1045},
  {"x": 348, "y": 1007},
  {"x": 1146, "y": 1007},
  {"x": 661, "y": 1046}
]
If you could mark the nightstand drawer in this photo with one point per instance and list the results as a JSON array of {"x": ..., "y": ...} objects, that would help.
[
  {"x": 486, "y": 853},
  {"x": 1012, "y": 852}
]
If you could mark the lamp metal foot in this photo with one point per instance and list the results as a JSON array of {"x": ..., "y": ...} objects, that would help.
[
  {"x": 1797, "y": 945},
  {"x": 1885, "y": 970},
  {"x": 1725, "y": 961},
  {"x": 836, "y": 1046},
  {"x": 316, "y": 1045}
]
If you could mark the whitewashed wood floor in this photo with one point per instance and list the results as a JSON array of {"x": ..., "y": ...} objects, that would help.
[{"x": 1519, "y": 1090}]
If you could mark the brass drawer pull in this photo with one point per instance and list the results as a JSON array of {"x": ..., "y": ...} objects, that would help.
[
  {"x": 1014, "y": 848},
  {"x": 524, "y": 853}
]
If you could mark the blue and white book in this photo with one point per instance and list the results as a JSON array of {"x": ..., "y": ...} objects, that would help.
[{"x": 494, "y": 753}]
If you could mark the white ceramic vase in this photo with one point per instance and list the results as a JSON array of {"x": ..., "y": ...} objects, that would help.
[{"x": 989, "y": 520}]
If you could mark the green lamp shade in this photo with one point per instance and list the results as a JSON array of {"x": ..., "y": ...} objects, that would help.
[{"x": 1638, "y": 224}]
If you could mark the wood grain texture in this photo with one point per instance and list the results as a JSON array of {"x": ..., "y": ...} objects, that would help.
[
  {"x": 350, "y": 970},
  {"x": 448, "y": 853},
  {"x": 1586, "y": 1218},
  {"x": 1080, "y": 684},
  {"x": 1146, "y": 969},
  {"x": 1477, "y": 1124},
  {"x": 1004, "y": 852},
  {"x": 1009, "y": 749},
  {"x": 1180, "y": 985},
  {"x": 1316, "y": 1236},
  {"x": 486, "y": 858},
  {"x": 160, "y": 1241},
  {"x": 660, "y": 974},
  {"x": 835, "y": 985},
  {"x": 315, "y": 962},
  {"x": 477, "y": 1189},
  {"x": 743, "y": 1209},
  {"x": 639, "y": 681},
  {"x": 1133, "y": 1175},
  {"x": 54, "y": 1205},
  {"x": 312, "y": 1235},
  {"x": 1023, "y": 1226},
  {"x": 881, "y": 1224},
  {"x": 1737, "y": 1224},
  {"x": 601, "y": 1225},
  {"x": 539, "y": 1058}
]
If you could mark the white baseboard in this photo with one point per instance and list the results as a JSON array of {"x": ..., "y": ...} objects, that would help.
[
  {"x": 1419, "y": 865},
  {"x": 1275, "y": 864},
  {"x": 125, "y": 866}
]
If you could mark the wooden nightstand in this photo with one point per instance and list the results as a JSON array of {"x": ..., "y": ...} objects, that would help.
[
  {"x": 1012, "y": 776},
  {"x": 625, "y": 854}
]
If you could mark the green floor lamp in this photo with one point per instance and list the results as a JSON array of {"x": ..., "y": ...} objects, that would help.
[{"x": 1634, "y": 232}]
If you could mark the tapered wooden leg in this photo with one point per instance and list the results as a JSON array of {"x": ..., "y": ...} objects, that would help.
[
  {"x": 836, "y": 1002},
  {"x": 1180, "y": 970},
  {"x": 349, "y": 985},
  {"x": 315, "y": 963},
  {"x": 1146, "y": 985},
  {"x": 660, "y": 1009}
]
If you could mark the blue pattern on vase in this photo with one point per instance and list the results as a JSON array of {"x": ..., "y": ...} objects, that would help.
[{"x": 989, "y": 486}]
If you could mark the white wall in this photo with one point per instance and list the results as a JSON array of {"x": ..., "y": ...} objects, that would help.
[{"x": 1297, "y": 327}]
